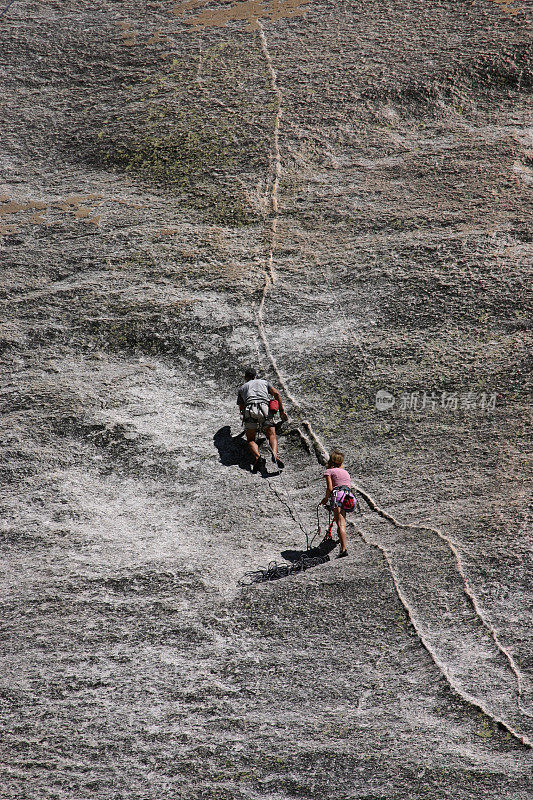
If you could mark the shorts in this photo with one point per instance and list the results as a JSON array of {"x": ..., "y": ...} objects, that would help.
[
  {"x": 251, "y": 424},
  {"x": 337, "y": 496},
  {"x": 258, "y": 425}
]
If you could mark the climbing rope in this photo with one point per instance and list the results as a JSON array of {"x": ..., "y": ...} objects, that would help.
[
  {"x": 275, "y": 571},
  {"x": 6, "y": 8},
  {"x": 309, "y": 542},
  {"x": 292, "y": 510},
  {"x": 313, "y": 557}
]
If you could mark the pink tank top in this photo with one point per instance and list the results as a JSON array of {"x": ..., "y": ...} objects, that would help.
[{"x": 339, "y": 476}]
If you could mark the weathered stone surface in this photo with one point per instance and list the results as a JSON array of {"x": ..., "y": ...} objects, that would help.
[{"x": 341, "y": 194}]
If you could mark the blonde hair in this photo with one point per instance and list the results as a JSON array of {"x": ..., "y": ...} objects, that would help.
[{"x": 336, "y": 459}]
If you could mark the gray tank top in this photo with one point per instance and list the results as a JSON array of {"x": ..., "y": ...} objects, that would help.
[{"x": 254, "y": 391}]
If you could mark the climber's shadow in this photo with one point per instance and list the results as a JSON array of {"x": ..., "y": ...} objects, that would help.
[
  {"x": 324, "y": 548},
  {"x": 293, "y": 555},
  {"x": 233, "y": 450}
]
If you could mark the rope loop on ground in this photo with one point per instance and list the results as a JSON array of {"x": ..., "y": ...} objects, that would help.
[{"x": 274, "y": 571}]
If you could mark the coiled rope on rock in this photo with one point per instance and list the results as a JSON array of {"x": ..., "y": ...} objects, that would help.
[{"x": 274, "y": 571}]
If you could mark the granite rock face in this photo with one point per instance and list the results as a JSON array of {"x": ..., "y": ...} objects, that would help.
[{"x": 339, "y": 193}]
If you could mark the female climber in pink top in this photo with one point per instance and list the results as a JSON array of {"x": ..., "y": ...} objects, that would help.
[{"x": 338, "y": 486}]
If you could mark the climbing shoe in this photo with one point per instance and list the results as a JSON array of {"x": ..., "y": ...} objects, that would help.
[
  {"x": 278, "y": 462},
  {"x": 342, "y": 554},
  {"x": 259, "y": 465}
]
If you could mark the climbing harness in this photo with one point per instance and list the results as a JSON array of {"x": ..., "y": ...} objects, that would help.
[
  {"x": 351, "y": 504},
  {"x": 343, "y": 497},
  {"x": 259, "y": 412},
  {"x": 255, "y": 410}
]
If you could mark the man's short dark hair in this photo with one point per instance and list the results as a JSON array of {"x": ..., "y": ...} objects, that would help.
[{"x": 249, "y": 374}]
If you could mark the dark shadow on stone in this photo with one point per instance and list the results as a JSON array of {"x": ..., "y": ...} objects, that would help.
[
  {"x": 325, "y": 547},
  {"x": 293, "y": 555},
  {"x": 264, "y": 473},
  {"x": 232, "y": 449},
  {"x": 276, "y": 571}
]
